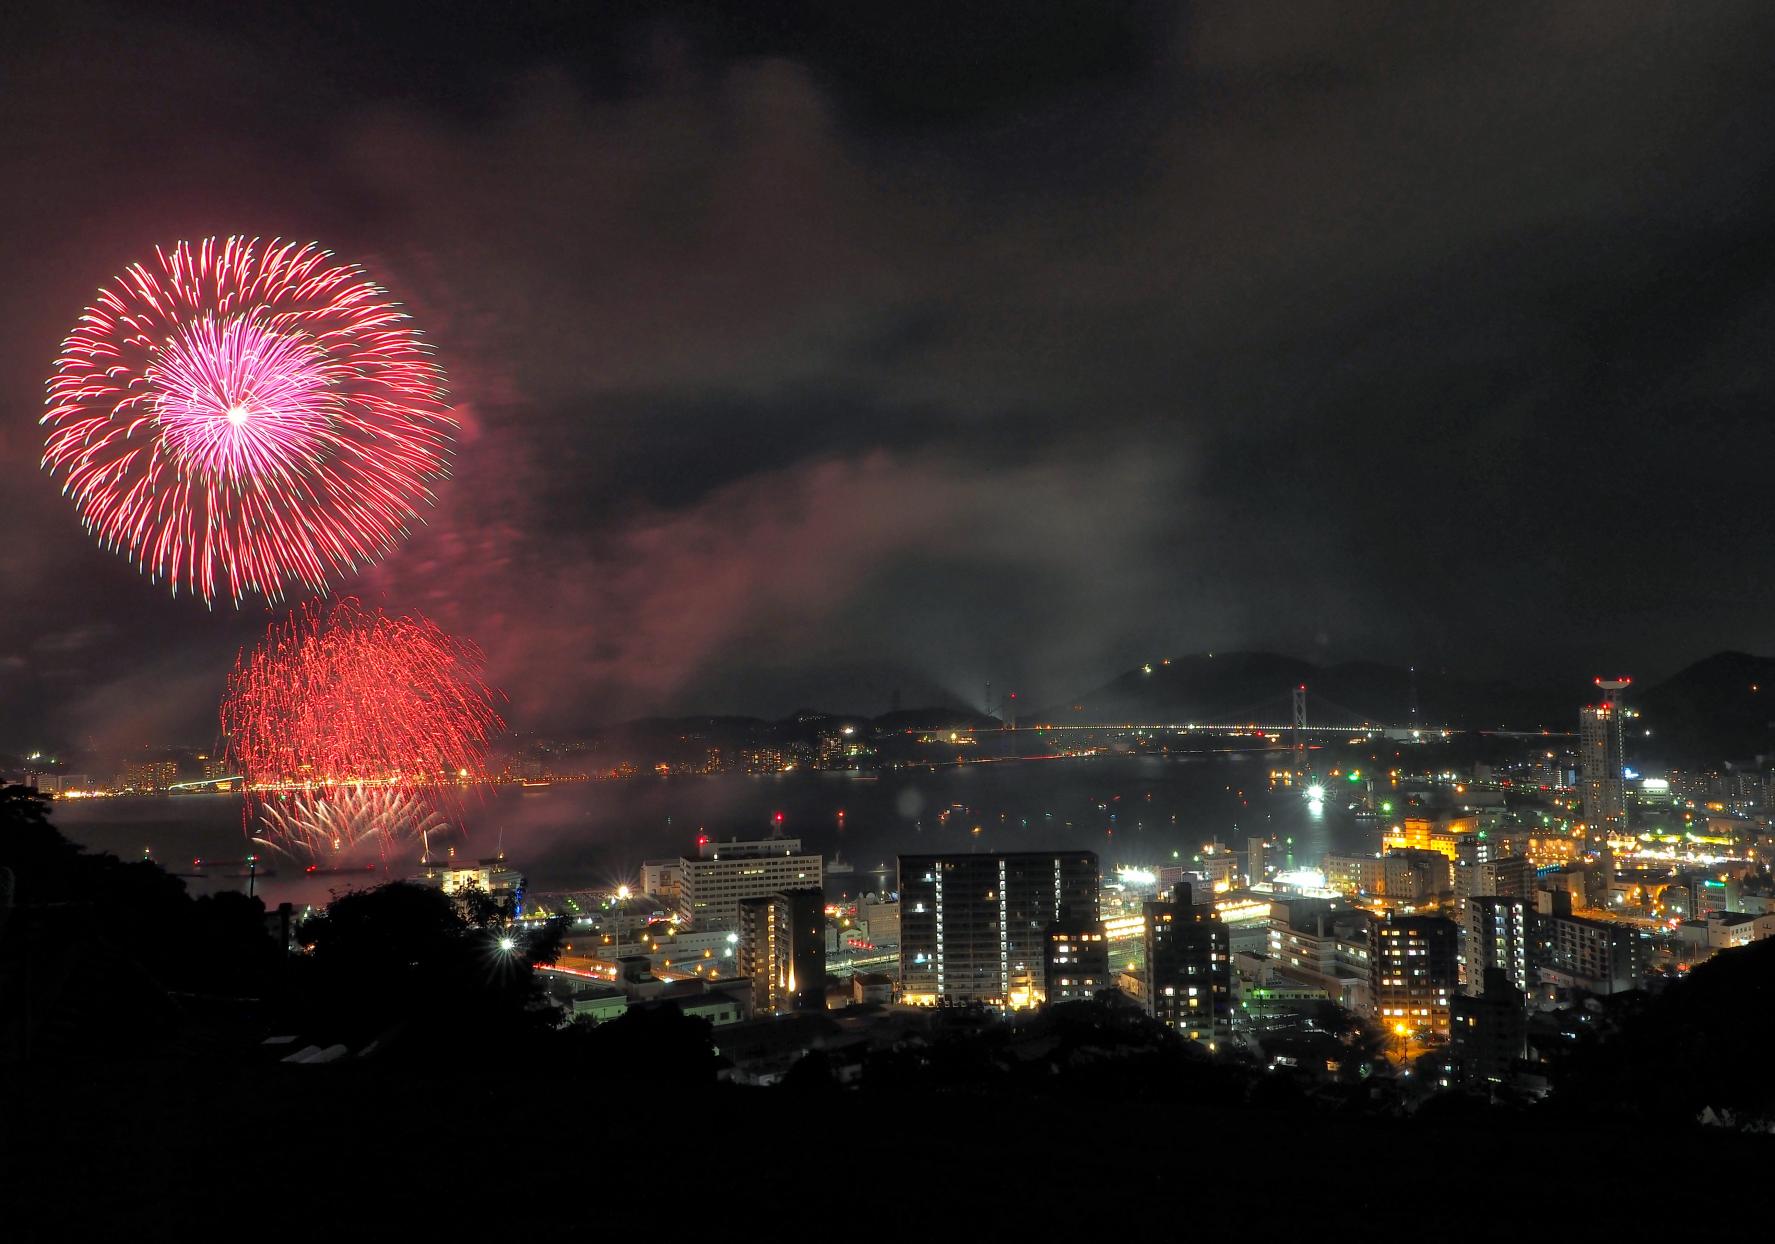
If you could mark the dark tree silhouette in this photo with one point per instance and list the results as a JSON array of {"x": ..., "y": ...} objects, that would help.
[
  {"x": 1701, "y": 1043},
  {"x": 403, "y": 961},
  {"x": 131, "y": 915},
  {"x": 652, "y": 1044}
]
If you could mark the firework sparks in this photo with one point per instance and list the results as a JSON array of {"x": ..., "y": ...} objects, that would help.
[
  {"x": 238, "y": 416},
  {"x": 331, "y": 823},
  {"x": 346, "y": 722}
]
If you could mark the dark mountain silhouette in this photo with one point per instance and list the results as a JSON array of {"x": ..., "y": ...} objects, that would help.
[
  {"x": 1719, "y": 709},
  {"x": 1256, "y": 686},
  {"x": 933, "y": 719}
]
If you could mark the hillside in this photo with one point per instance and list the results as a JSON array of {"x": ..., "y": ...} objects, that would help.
[
  {"x": 1232, "y": 686},
  {"x": 1720, "y": 708}
]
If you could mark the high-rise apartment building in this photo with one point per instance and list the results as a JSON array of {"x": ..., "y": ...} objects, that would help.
[
  {"x": 711, "y": 886},
  {"x": 1260, "y": 859},
  {"x": 1488, "y": 1033},
  {"x": 1414, "y": 966},
  {"x": 1496, "y": 936},
  {"x": 782, "y": 950},
  {"x": 1075, "y": 962},
  {"x": 1574, "y": 952},
  {"x": 148, "y": 775},
  {"x": 1189, "y": 968},
  {"x": 973, "y": 928}
]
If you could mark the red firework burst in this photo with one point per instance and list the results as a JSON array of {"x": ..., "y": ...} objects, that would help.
[
  {"x": 339, "y": 703},
  {"x": 236, "y": 416}
]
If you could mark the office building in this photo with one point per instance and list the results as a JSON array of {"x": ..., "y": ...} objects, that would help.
[
  {"x": 1188, "y": 983},
  {"x": 782, "y": 950},
  {"x": 711, "y": 886},
  {"x": 1507, "y": 875},
  {"x": 1443, "y": 834},
  {"x": 492, "y": 877},
  {"x": 881, "y": 921},
  {"x": 1414, "y": 969},
  {"x": 1318, "y": 944},
  {"x": 1356, "y": 874},
  {"x": 973, "y": 928},
  {"x": 660, "y": 879},
  {"x": 1416, "y": 875}
]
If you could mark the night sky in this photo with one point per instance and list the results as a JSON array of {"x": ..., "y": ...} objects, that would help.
[{"x": 808, "y": 351}]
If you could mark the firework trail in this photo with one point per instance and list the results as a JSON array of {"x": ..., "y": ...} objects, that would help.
[
  {"x": 238, "y": 416},
  {"x": 347, "y": 723}
]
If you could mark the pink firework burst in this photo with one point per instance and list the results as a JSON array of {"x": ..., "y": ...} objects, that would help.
[{"x": 238, "y": 416}]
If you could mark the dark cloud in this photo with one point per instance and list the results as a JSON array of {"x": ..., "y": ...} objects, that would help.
[{"x": 803, "y": 350}]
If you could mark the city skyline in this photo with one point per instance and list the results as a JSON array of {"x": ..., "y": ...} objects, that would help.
[
  {"x": 997, "y": 610},
  {"x": 1252, "y": 334}
]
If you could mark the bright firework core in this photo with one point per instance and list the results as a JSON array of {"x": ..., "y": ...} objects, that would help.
[
  {"x": 212, "y": 376},
  {"x": 238, "y": 416}
]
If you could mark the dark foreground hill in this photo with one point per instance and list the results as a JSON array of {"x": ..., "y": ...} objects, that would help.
[{"x": 121, "y": 1147}]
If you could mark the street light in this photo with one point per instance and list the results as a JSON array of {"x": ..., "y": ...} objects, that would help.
[{"x": 622, "y": 900}]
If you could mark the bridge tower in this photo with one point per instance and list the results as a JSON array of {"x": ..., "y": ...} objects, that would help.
[{"x": 1303, "y": 770}]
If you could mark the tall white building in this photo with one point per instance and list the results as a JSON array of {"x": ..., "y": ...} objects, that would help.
[{"x": 711, "y": 886}]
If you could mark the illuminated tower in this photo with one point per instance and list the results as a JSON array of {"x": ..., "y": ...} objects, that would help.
[{"x": 1602, "y": 763}]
